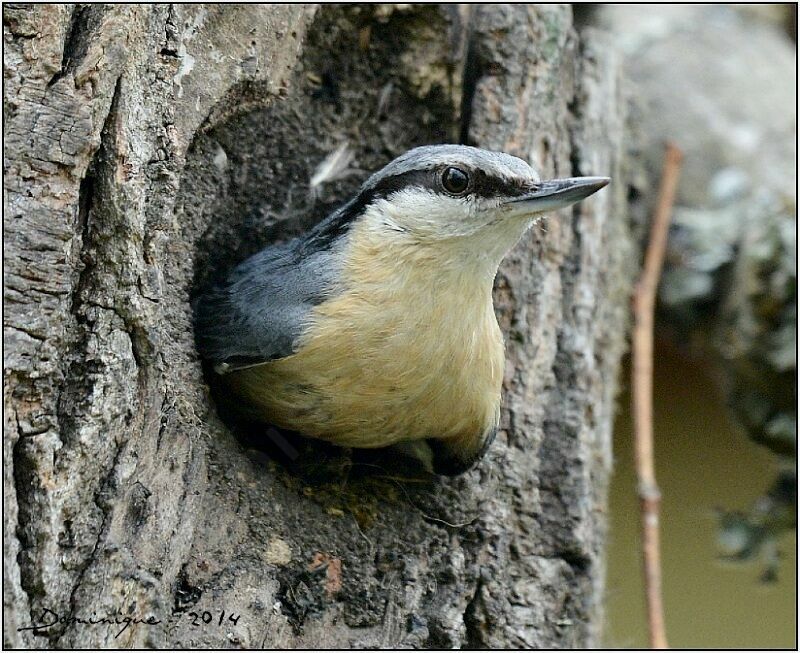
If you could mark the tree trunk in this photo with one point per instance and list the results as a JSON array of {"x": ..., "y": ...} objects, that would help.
[{"x": 148, "y": 149}]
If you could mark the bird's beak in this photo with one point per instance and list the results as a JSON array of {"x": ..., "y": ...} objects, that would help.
[{"x": 556, "y": 194}]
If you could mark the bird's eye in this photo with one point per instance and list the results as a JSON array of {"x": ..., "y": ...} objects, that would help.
[{"x": 455, "y": 180}]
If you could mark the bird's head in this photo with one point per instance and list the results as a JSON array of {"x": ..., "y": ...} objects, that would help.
[{"x": 465, "y": 197}]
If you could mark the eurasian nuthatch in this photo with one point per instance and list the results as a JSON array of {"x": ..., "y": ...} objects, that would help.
[{"x": 377, "y": 326}]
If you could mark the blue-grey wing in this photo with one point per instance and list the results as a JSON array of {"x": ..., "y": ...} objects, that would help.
[{"x": 260, "y": 311}]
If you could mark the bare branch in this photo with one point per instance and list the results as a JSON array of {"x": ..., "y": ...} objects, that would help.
[{"x": 642, "y": 383}]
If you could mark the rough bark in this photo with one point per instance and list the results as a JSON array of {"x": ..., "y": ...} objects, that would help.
[{"x": 149, "y": 148}]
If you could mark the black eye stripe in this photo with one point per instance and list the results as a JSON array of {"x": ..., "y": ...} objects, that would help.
[
  {"x": 389, "y": 185},
  {"x": 482, "y": 184},
  {"x": 488, "y": 186}
]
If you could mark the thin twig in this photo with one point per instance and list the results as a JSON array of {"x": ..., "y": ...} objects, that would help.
[
  {"x": 425, "y": 515},
  {"x": 361, "y": 533},
  {"x": 644, "y": 299},
  {"x": 428, "y": 517}
]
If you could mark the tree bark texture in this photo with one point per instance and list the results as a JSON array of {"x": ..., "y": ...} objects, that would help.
[{"x": 150, "y": 148}]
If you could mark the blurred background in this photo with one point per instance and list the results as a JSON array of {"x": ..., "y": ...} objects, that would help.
[
  {"x": 706, "y": 466},
  {"x": 720, "y": 81}
]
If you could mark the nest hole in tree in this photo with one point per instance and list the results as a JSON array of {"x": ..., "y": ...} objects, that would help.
[{"x": 247, "y": 179}]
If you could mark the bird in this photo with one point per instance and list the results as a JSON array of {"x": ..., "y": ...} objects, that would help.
[{"x": 377, "y": 327}]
